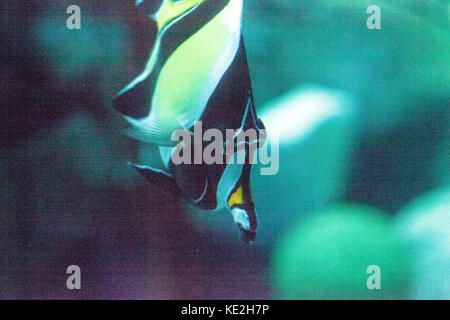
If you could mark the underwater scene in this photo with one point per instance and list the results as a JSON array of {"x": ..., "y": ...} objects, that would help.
[{"x": 225, "y": 149}]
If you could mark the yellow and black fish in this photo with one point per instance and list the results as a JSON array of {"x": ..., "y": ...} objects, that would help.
[{"x": 197, "y": 71}]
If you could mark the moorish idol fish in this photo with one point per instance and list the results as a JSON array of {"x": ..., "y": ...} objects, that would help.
[{"x": 197, "y": 71}]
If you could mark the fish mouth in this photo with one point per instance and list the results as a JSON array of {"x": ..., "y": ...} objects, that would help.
[
  {"x": 245, "y": 218},
  {"x": 248, "y": 236}
]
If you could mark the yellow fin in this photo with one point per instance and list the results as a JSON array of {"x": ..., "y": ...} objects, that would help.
[{"x": 240, "y": 196}]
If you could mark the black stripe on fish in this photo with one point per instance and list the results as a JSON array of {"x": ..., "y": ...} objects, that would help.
[
  {"x": 229, "y": 107},
  {"x": 189, "y": 25},
  {"x": 231, "y": 104},
  {"x": 159, "y": 178},
  {"x": 136, "y": 101}
]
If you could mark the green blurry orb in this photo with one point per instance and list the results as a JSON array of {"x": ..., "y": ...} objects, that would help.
[
  {"x": 327, "y": 256},
  {"x": 424, "y": 227}
]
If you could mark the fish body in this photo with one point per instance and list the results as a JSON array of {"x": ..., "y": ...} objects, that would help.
[{"x": 197, "y": 73}]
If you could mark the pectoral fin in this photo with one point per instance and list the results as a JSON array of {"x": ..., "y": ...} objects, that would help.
[{"x": 158, "y": 132}]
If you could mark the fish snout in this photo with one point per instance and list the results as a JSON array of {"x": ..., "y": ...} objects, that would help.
[
  {"x": 247, "y": 236},
  {"x": 245, "y": 218}
]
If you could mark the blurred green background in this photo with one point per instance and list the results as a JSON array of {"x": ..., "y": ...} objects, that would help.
[{"x": 363, "y": 117}]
